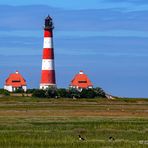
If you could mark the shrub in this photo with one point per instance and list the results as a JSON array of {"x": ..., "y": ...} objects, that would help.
[
  {"x": 99, "y": 92},
  {"x": 39, "y": 93},
  {"x": 51, "y": 93},
  {"x": 69, "y": 93},
  {"x": 19, "y": 91},
  {"x": 4, "y": 92},
  {"x": 62, "y": 93},
  {"x": 73, "y": 93},
  {"x": 30, "y": 91},
  {"x": 88, "y": 93}
]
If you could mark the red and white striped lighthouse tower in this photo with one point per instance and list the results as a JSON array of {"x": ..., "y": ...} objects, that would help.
[{"x": 48, "y": 71}]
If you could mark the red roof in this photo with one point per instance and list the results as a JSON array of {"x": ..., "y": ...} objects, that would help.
[
  {"x": 15, "y": 80},
  {"x": 81, "y": 80}
]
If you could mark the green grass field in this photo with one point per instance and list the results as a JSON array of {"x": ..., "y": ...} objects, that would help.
[{"x": 30, "y": 122}]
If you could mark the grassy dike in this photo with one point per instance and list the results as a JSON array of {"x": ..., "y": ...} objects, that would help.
[{"x": 56, "y": 123}]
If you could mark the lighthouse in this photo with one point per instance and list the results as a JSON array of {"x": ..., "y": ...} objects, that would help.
[{"x": 48, "y": 69}]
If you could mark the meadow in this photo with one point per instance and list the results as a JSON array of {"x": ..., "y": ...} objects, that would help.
[{"x": 56, "y": 123}]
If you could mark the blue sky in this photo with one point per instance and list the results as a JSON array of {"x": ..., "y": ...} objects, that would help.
[{"x": 108, "y": 39}]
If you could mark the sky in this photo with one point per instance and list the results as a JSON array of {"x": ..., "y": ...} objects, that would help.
[{"x": 107, "y": 39}]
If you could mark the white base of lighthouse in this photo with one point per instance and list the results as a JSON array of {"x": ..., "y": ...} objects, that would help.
[{"x": 46, "y": 86}]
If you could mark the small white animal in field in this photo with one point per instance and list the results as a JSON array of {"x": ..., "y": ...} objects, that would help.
[
  {"x": 81, "y": 138},
  {"x": 111, "y": 138}
]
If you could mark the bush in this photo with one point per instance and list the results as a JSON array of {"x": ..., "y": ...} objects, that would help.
[
  {"x": 4, "y": 92},
  {"x": 30, "y": 91},
  {"x": 19, "y": 91},
  {"x": 88, "y": 93},
  {"x": 51, "y": 93},
  {"x": 39, "y": 93},
  {"x": 99, "y": 92},
  {"x": 62, "y": 93},
  {"x": 69, "y": 93},
  {"x": 48, "y": 93},
  {"x": 73, "y": 93}
]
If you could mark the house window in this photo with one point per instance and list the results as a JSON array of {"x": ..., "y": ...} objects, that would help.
[
  {"x": 82, "y": 81},
  {"x": 15, "y": 80}
]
